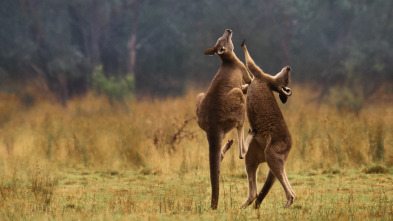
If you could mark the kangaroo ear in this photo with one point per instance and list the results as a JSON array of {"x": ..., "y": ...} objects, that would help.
[
  {"x": 283, "y": 98},
  {"x": 221, "y": 50},
  {"x": 210, "y": 51}
]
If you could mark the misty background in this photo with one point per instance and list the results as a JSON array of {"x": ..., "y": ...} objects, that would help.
[{"x": 155, "y": 48}]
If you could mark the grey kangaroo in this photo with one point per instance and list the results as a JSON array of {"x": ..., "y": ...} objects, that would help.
[
  {"x": 222, "y": 108},
  {"x": 269, "y": 140}
]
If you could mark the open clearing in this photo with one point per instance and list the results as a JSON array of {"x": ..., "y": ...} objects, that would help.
[{"x": 82, "y": 193}]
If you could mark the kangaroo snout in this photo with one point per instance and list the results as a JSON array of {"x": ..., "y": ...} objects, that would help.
[
  {"x": 287, "y": 91},
  {"x": 289, "y": 68},
  {"x": 229, "y": 31}
]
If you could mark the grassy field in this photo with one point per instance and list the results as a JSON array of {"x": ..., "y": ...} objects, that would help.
[
  {"x": 85, "y": 193},
  {"x": 147, "y": 159}
]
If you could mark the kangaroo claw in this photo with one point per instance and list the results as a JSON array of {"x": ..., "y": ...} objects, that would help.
[
  {"x": 226, "y": 148},
  {"x": 243, "y": 42},
  {"x": 252, "y": 132}
]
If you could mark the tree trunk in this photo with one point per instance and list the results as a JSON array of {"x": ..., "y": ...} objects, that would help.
[
  {"x": 133, "y": 38},
  {"x": 132, "y": 51},
  {"x": 95, "y": 34}
]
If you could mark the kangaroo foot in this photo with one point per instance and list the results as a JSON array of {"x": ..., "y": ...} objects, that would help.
[
  {"x": 257, "y": 204},
  {"x": 226, "y": 147},
  {"x": 247, "y": 203},
  {"x": 289, "y": 202}
]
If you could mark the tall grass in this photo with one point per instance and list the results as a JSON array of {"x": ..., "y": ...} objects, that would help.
[
  {"x": 149, "y": 157},
  {"x": 162, "y": 136}
]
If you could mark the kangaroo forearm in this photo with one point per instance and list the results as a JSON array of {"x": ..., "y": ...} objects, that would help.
[{"x": 246, "y": 76}]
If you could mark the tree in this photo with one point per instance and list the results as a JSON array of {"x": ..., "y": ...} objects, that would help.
[{"x": 160, "y": 43}]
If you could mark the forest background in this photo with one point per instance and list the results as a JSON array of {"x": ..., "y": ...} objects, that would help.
[{"x": 154, "y": 48}]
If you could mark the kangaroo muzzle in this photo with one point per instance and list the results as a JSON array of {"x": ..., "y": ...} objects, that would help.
[{"x": 287, "y": 91}]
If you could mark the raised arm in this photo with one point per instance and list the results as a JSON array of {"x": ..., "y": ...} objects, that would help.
[{"x": 252, "y": 67}]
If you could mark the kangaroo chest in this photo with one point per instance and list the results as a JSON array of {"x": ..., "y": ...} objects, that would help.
[{"x": 262, "y": 109}]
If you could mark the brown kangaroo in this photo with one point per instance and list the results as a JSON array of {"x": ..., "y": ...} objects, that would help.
[
  {"x": 222, "y": 108},
  {"x": 270, "y": 140}
]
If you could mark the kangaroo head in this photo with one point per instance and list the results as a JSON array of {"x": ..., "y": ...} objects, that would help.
[
  {"x": 223, "y": 45},
  {"x": 280, "y": 83}
]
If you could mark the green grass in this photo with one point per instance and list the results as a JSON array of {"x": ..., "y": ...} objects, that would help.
[{"x": 83, "y": 193}]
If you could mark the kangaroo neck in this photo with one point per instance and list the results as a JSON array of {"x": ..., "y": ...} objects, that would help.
[
  {"x": 228, "y": 58},
  {"x": 263, "y": 77}
]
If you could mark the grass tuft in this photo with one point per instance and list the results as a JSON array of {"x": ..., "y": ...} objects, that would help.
[{"x": 377, "y": 169}]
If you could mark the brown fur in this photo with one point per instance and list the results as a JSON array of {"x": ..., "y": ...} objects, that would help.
[
  {"x": 222, "y": 108},
  {"x": 270, "y": 140}
]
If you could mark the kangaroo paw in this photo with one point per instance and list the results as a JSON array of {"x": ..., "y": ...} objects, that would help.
[
  {"x": 252, "y": 132},
  {"x": 243, "y": 43},
  {"x": 226, "y": 147}
]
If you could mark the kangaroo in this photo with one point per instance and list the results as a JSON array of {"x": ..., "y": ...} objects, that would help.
[
  {"x": 269, "y": 140},
  {"x": 222, "y": 108}
]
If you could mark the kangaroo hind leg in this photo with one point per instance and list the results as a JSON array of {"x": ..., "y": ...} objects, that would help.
[
  {"x": 236, "y": 108},
  {"x": 240, "y": 135},
  {"x": 265, "y": 189},
  {"x": 275, "y": 157},
  {"x": 252, "y": 183},
  {"x": 200, "y": 112},
  {"x": 199, "y": 98},
  {"x": 252, "y": 162}
]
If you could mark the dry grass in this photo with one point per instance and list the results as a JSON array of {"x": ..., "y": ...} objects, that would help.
[{"x": 149, "y": 159}]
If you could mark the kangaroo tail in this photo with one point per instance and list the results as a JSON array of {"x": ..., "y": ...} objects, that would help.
[{"x": 214, "y": 160}]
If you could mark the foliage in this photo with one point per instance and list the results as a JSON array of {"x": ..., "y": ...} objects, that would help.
[
  {"x": 115, "y": 89},
  {"x": 161, "y": 42},
  {"x": 346, "y": 100}
]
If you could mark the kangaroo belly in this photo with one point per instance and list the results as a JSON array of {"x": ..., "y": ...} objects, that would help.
[
  {"x": 226, "y": 111},
  {"x": 262, "y": 109}
]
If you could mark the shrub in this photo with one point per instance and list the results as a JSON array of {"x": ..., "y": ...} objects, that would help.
[
  {"x": 346, "y": 99},
  {"x": 113, "y": 88},
  {"x": 377, "y": 169}
]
